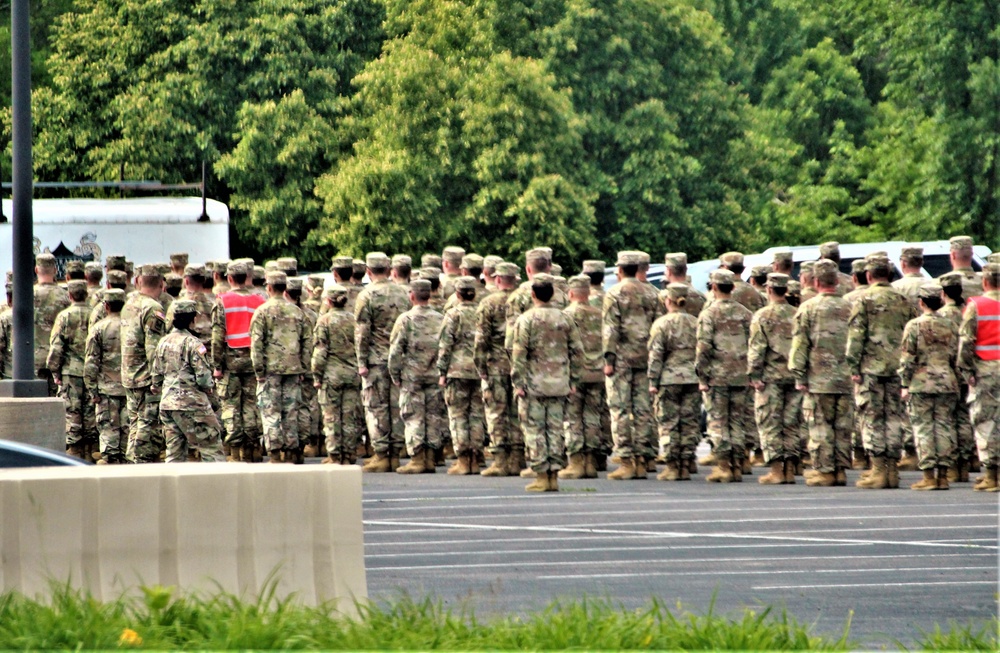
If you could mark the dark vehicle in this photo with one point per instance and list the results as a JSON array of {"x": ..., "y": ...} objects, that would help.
[{"x": 16, "y": 454}]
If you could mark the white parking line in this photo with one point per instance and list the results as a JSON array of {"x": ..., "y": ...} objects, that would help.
[{"x": 855, "y": 585}]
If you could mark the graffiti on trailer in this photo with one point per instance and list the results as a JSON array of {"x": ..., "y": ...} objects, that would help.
[{"x": 88, "y": 250}]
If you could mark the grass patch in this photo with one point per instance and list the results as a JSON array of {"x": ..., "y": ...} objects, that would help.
[{"x": 963, "y": 637}]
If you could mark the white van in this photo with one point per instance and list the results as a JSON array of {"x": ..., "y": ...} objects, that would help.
[{"x": 144, "y": 230}]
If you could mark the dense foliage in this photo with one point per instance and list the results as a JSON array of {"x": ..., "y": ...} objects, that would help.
[{"x": 589, "y": 125}]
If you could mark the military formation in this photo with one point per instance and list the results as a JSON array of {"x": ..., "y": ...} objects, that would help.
[{"x": 547, "y": 377}]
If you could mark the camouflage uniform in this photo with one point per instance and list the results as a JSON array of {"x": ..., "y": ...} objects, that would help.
[
  {"x": 909, "y": 287},
  {"x": 412, "y": 367},
  {"x": 6, "y": 342},
  {"x": 973, "y": 363},
  {"x": 819, "y": 339},
  {"x": 966, "y": 442},
  {"x": 309, "y": 406},
  {"x": 927, "y": 368},
  {"x": 376, "y": 310},
  {"x": 493, "y": 365},
  {"x": 280, "y": 343},
  {"x": 519, "y": 302},
  {"x": 454, "y": 257},
  {"x": 201, "y": 328},
  {"x": 50, "y": 300},
  {"x": 142, "y": 327},
  {"x": 673, "y": 341},
  {"x": 972, "y": 281},
  {"x": 455, "y": 362},
  {"x": 335, "y": 369},
  {"x": 67, "y": 348},
  {"x": 102, "y": 372},
  {"x": 545, "y": 366},
  {"x": 182, "y": 373},
  {"x": 584, "y": 428}
]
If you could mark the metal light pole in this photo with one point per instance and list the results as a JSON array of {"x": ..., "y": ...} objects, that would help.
[{"x": 24, "y": 383}]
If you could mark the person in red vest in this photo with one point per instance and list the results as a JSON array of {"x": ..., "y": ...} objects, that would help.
[
  {"x": 979, "y": 364},
  {"x": 236, "y": 384}
]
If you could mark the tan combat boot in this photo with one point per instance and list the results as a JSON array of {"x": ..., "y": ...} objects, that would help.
[
  {"x": 671, "y": 473},
  {"x": 789, "y": 471},
  {"x": 331, "y": 460},
  {"x": 590, "y": 465},
  {"x": 721, "y": 473},
  {"x": 776, "y": 476},
  {"x": 928, "y": 482},
  {"x": 75, "y": 451},
  {"x": 641, "y": 468},
  {"x": 448, "y": 451},
  {"x": 651, "y": 465},
  {"x": 499, "y": 465},
  {"x": 460, "y": 466},
  {"x": 553, "y": 478},
  {"x": 274, "y": 456},
  {"x": 625, "y": 471},
  {"x": 430, "y": 455},
  {"x": 989, "y": 482},
  {"x": 527, "y": 472},
  {"x": 892, "y": 473},
  {"x": 758, "y": 459},
  {"x": 310, "y": 450},
  {"x": 942, "y": 478},
  {"x": 378, "y": 464},
  {"x": 417, "y": 464},
  {"x": 909, "y": 461},
  {"x": 540, "y": 484},
  {"x": 860, "y": 459},
  {"x": 822, "y": 479},
  {"x": 475, "y": 460},
  {"x": 877, "y": 478},
  {"x": 577, "y": 467},
  {"x": 707, "y": 460},
  {"x": 684, "y": 471},
  {"x": 737, "y": 467},
  {"x": 840, "y": 474}
]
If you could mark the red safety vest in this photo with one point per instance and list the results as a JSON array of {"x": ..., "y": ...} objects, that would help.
[
  {"x": 239, "y": 311},
  {"x": 987, "y": 328}
]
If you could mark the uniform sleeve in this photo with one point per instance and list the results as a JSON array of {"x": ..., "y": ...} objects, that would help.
[
  {"x": 857, "y": 330},
  {"x": 57, "y": 345},
  {"x": 92, "y": 358},
  {"x": 520, "y": 345},
  {"x": 705, "y": 348},
  {"x": 576, "y": 354},
  {"x": 757, "y": 349},
  {"x": 157, "y": 368},
  {"x": 363, "y": 328},
  {"x": 446, "y": 342},
  {"x": 258, "y": 343},
  {"x": 798, "y": 357},
  {"x": 611, "y": 320},
  {"x": 305, "y": 343},
  {"x": 218, "y": 335},
  {"x": 154, "y": 326},
  {"x": 908, "y": 353},
  {"x": 4, "y": 341},
  {"x": 480, "y": 356},
  {"x": 397, "y": 349},
  {"x": 967, "y": 341},
  {"x": 514, "y": 311},
  {"x": 321, "y": 345},
  {"x": 657, "y": 352},
  {"x": 199, "y": 365}
]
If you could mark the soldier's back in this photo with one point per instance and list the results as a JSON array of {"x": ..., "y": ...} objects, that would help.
[
  {"x": 542, "y": 344},
  {"x": 821, "y": 328},
  {"x": 139, "y": 315},
  {"x": 628, "y": 315},
  {"x": 728, "y": 323},
  {"x": 49, "y": 300}
]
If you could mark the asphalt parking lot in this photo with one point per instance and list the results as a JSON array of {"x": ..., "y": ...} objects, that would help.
[{"x": 892, "y": 561}]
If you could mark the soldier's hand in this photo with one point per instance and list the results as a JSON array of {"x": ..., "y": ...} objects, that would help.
[
  {"x": 317, "y": 385},
  {"x": 572, "y": 390},
  {"x": 363, "y": 372},
  {"x": 703, "y": 387},
  {"x": 653, "y": 390},
  {"x": 904, "y": 394},
  {"x": 609, "y": 370},
  {"x": 802, "y": 387},
  {"x": 217, "y": 374},
  {"x": 520, "y": 392},
  {"x": 757, "y": 385},
  {"x": 442, "y": 381},
  {"x": 261, "y": 379},
  {"x": 154, "y": 390},
  {"x": 856, "y": 378},
  {"x": 972, "y": 382},
  {"x": 96, "y": 399}
]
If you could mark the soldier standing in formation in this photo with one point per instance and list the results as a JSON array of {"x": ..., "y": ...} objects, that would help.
[
  {"x": 335, "y": 376},
  {"x": 585, "y": 407},
  {"x": 67, "y": 350},
  {"x": 103, "y": 376},
  {"x": 50, "y": 300},
  {"x": 142, "y": 326}
]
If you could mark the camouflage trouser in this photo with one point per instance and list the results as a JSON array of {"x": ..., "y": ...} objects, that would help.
[
  {"x": 829, "y": 417},
  {"x": 777, "y": 409},
  {"x": 341, "y": 406},
  {"x": 112, "y": 426},
  {"x": 145, "y": 437},
  {"x": 583, "y": 418},
  {"x": 933, "y": 420},
  {"x": 465, "y": 414},
  {"x": 678, "y": 420},
  {"x": 542, "y": 422},
  {"x": 631, "y": 412},
  {"x": 751, "y": 435},
  {"x": 278, "y": 398},
  {"x": 725, "y": 408},
  {"x": 309, "y": 414},
  {"x": 984, "y": 412},
  {"x": 46, "y": 375},
  {"x": 965, "y": 440},
  {"x": 607, "y": 442},
  {"x": 73, "y": 392},
  {"x": 880, "y": 417},
  {"x": 422, "y": 409},
  {"x": 498, "y": 407},
  {"x": 382, "y": 402},
  {"x": 192, "y": 429},
  {"x": 240, "y": 416}
]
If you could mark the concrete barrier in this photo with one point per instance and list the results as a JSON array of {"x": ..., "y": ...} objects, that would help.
[
  {"x": 200, "y": 527},
  {"x": 41, "y": 422}
]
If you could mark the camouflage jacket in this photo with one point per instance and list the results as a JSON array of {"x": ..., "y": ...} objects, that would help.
[
  {"x": 334, "y": 361},
  {"x": 588, "y": 319},
  {"x": 95, "y": 296},
  {"x": 413, "y": 347},
  {"x": 723, "y": 336},
  {"x": 519, "y": 302},
  {"x": 280, "y": 340},
  {"x": 969, "y": 364},
  {"x": 6, "y": 344},
  {"x": 819, "y": 339},
  {"x": 547, "y": 353},
  {"x": 875, "y": 329},
  {"x": 747, "y": 295},
  {"x": 972, "y": 282},
  {"x": 673, "y": 342},
  {"x": 102, "y": 367},
  {"x": 853, "y": 296},
  {"x": 929, "y": 355},
  {"x": 770, "y": 342},
  {"x": 596, "y": 297},
  {"x": 182, "y": 372},
  {"x": 448, "y": 285},
  {"x": 909, "y": 287},
  {"x": 696, "y": 300},
  {"x": 142, "y": 326},
  {"x": 201, "y": 327},
  {"x": 224, "y": 357},
  {"x": 952, "y": 311},
  {"x": 654, "y": 296},
  {"x": 481, "y": 293},
  {"x": 845, "y": 284},
  {"x": 50, "y": 300},
  {"x": 491, "y": 332},
  {"x": 68, "y": 342},
  {"x": 376, "y": 310},
  {"x": 626, "y": 318},
  {"x": 457, "y": 346}
]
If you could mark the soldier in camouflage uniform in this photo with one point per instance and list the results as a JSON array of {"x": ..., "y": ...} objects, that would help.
[
  {"x": 858, "y": 455},
  {"x": 927, "y": 362},
  {"x": 67, "y": 348},
  {"x": 459, "y": 378},
  {"x": 979, "y": 365},
  {"x": 258, "y": 281},
  {"x": 965, "y": 451},
  {"x": 676, "y": 265},
  {"x": 806, "y": 281},
  {"x": 102, "y": 374},
  {"x": 831, "y": 252},
  {"x": 819, "y": 340},
  {"x": 493, "y": 366},
  {"x": 472, "y": 266},
  {"x": 672, "y": 381},
  {"x": 314, "y": 294},
  {"x": 94, "y": 275},
  {"x": 220, "y": 282},
  {"x": 860, "y": 276},
  {"x": 179, "y": 261},
  {"x": 433, "y": 275},
  {"x": 490, "y": 263},
  {"x": 545, "y": 370},
  {"x": 376, "y": 310},
  {"x": 7, "y": 334},
  {"x": 431, "y": 261},
  {"x": 584, "y": 408},
  {"x": 142, "y": 327},
  {"x": 721, "y": 367},
  {"x": 50, "y": 300},
  {"x": 594, "y": 270},
  {"x": 412, "y": 366},
  {"x": 451, "y": 265},
  {"x": 342, "y": 268},
  {"x": 758, "y": 280},
  {"x": 777, "y": 404},
  {"x": 627, "y": 316},
  {"x": 183, "y": 376},
  {"x": 875, "y": 331},
  {"x": 912, "y": 262},
  {"x": 194, "y": 289},
  {"x": 309, "y": 406},
  {"x": 116, "y": 280},
  {"x": 280, "y": 349},
  {"x": 401, "y": 269},
  {"x": 743, "y": 293},
  {"x": 961, "y": 262},
  {"x": 335, "y": 376}
]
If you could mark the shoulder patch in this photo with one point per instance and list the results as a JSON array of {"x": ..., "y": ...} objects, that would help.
[{"x": 202, "y": 350}]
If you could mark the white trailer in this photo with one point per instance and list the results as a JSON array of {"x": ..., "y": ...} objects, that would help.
[{"x": 144, "y": 230}]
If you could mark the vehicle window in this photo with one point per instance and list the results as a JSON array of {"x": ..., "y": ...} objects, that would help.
[{"x": 938, "y": 264}]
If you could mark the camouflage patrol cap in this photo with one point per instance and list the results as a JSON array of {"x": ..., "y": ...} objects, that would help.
[
  {"x": 74, "y": 265},
  {"x": 555, "y": 270},
  {"x": 248, "y": 261},
  {"x": 782, "y": 258},
  {"x": 45, "y": 261},
  {"x": 542, "y": 279},
  {"x": 991, "y": 272},
  {"x": 732, "y": 258},
  {"x": 722, "y": 276},
  {"x": 76, "y": 285},
  {"x": 341, "y": 262},
  {"x": 129, "y": 267},
  {"x": 629, "y": 257},
  {"x": 593, "y": 265},
  {"x": 961, "y": 243},
  {"x": 286, "y": 263},
  {"x": 276, "y": 278},
  {"x": 149, "y": 270},
  {"x": 857, "y": 266},
  {"x": 115, "y": 262},
  {"x": 507, "y": 269},
  {"x": 259, "y": 272},
  {"x": 538, "y": 254},
  {"x": 316, "y": 280},
  {"x": 359, "y": 266},
  {"x": 174, "y": 280},
  {"x": 430, "y": 272},
  {"x": 760, "y": 270},
  {"x": 336, "y": 290},
  {"x": 179, "y": 259},
  {"x": 220, "y": 267},
  {"x": 777, "y": 280},
  {"x": 675, "y": 259},
  {"x": 401, "y": 260},
  {"x": 911, "y": 253},
  {"x": 465, "y": 283},
  {"x": 807, "y": 267},
  {"x": 270, "y": 266},
  {"x": 950, "y": 280},
  {"x": 644, "y": 258},
  {"x": 195, "y": 270},
  {"x": 420, "y": 285},
  {"x": 294, "y": 283},
  {"x": 877, "y": 263},
  {"x": 453, "y": 255},
  {"x": 880, "y": 252},
  {"x": 377, "y": 260},
  {"x": 929, "y": 290},
  {"x": 184, "y": 307},
  {"x": 491, "y": 262},
  {"x": 93, "y": 267},
  {"x": 828, "y": 249},
  {"x": 430, "y": 261},
  {"x": 473, "y": 262},
  {"x": 993, "y": 258},
  {"x": 561, "y": 283},
  {"x": 794, "y": 288},
  {"x": 580, "y": 282},
  {"x": 676, "y": 291},
  {"x": 113, "y": 294},
  {"x": 164, "y": 268},
  {"x": 117, "y": 276},
  {"x": 238, "y": 267},
  {"x": 826, "y": 271}
]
